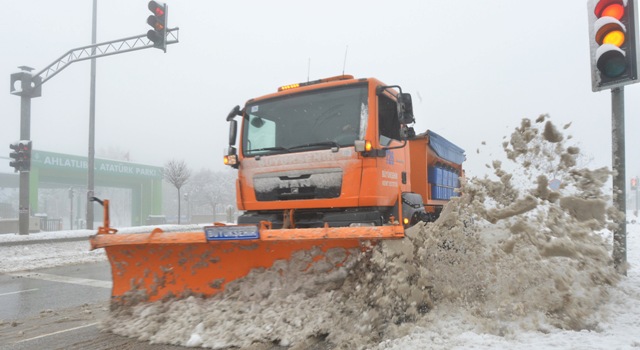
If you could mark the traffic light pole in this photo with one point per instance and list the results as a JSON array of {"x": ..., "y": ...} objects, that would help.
[
  {"x": 92, "y": 124},
  {"x": 25, "y": 134},
  {"x": 619, "y": 184},
  {"x": 31, "y": 86},
  {"x": 615, "y": 58}
]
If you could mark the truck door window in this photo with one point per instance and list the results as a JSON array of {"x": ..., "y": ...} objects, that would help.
[{"x": 388, "y": 123}]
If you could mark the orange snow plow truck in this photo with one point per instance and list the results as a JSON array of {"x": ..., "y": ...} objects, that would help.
[{"x": 331, "y": 163}]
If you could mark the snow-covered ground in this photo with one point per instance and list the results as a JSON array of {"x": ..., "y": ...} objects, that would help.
[
  {"x": 507, "y": 267},
  {"x": 617, "y": 328}
]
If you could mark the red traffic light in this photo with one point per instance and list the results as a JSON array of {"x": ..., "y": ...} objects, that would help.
[
  {"x": 156, "y": 8},
  {"x": 614, "y": 10},
  {"x": 611, "y": 8}
]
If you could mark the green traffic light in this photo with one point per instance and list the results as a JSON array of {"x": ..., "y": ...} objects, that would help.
[{"x": 612, "y": 63}]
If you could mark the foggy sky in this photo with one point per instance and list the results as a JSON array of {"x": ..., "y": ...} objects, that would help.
[{"x": 474, "y": 68}]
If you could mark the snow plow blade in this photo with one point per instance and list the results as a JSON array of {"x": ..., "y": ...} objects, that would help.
[{"x": 159, "y": 265}]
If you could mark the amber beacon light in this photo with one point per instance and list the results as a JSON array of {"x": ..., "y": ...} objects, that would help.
[{"x": 613, "y": 39}]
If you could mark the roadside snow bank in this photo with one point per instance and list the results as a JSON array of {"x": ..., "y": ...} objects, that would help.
[
  {"x": 43, "y": 255},
  {"x": 49, "y": 249}
]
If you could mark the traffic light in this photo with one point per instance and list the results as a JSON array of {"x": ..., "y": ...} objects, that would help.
[
  {"x": 15, "y": 157},
  {"x": 613, "y": 41},
  {"x": 26, "y": 155},
  {"x": 634, "y": 183},
  {"x": 20, "y": 155},
  {"x": 158, "y": 21}
]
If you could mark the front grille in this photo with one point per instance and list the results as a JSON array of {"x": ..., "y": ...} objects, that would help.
[{"x": 310, "y": 184}]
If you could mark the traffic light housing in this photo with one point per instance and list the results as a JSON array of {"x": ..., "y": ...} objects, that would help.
[
  {"x": 15, "y": 157},
  {"x": 613, "y": 41},
  {"x": 26, "y": 155},
  {"x": 20, "y": 155},
  {"x": 634, "y": 183},
  {"x": 158, "y": 21}
]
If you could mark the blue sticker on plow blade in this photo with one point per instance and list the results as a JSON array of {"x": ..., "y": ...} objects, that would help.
[{"x": 228, "y": 233}]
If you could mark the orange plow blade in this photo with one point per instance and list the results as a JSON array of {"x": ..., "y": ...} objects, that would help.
[{"x": 158, "y": 265}]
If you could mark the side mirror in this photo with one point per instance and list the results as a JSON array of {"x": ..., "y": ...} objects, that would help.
[
  {"x": 233, "y": 131},
  {"x": 405, "y": 105},
  {"x": 234, "y": 112}
]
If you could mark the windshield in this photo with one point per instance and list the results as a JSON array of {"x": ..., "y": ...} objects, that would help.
[{"x": 300, "y": 122}]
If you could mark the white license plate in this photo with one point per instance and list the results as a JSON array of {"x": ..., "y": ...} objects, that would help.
[{"x": 227, "y": 233}]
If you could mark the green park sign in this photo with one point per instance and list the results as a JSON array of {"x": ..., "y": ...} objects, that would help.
[
  {"x": 61, "y": 161},
  {"x": 65, "y": 170}
]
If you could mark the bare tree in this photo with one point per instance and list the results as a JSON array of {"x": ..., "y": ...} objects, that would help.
[
  {"x": 177, "y": 173},
  {"x": 209, "y": 189}
]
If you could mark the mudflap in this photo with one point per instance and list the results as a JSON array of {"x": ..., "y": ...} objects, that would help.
[{"x": 160, "y": 265}]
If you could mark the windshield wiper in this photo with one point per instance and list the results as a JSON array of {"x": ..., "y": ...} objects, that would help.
[
  {"x": 331, "y": 144},
  {"x": 276, "y": 148},
  {"x": 316, "y": 144}
]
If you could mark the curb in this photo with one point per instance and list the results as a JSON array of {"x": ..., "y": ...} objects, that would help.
[{"x": 44, "y": 241}]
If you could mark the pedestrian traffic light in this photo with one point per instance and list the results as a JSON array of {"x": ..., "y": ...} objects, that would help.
[
  {"x": 158, "y": 21},
  {"x": 634, "y": 183},
  {"x": 20, "y": 155},
  {"x": 613, "y": 41}
]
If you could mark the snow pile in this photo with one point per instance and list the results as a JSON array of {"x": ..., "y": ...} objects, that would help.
[
  {"x": 531, "y": 255},
  {"x": 511, "y": 254}
]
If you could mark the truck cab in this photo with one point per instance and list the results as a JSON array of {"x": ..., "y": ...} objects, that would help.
[{"x": 332, "y": 152}]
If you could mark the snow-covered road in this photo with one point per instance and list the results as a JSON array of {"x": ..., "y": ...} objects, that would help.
[{"x": 617, "y": 328}]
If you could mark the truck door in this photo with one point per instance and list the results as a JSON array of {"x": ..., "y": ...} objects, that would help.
[{"x": 392, "y": 166}]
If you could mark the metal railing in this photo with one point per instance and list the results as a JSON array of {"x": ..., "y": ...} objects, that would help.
[{"x": 47, "y": 224}]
